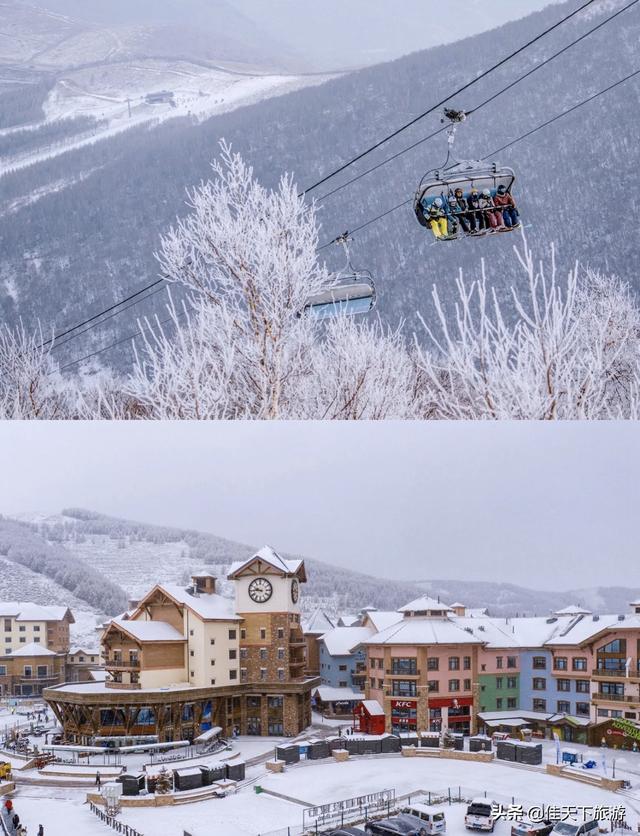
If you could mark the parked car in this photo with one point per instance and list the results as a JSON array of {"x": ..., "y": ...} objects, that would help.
[
  {"x": 432, "y": 818},
  {"x": 396, "y": 826},
  {"x": 347, "y": 831},
  {"x": 576, "y": 827},
  {"x": 480, "y": 815},
  {"x": 525, "y": 827}
]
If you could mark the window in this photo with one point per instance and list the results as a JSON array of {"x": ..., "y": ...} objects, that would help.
[
  {"x": 244, "y": 653},
  {"x": 404, "y": 688},
  {"x": 499, "y": 682},
  {"x": 263, "y": 633},
  {"x": 454, "y": 663},
  {"x": 539, "y": 663},
  {"x": 615, "y": 712},
  {"x": 372, "y": 683},
  {"x": 263, "y": 673},
  {"x": 81, "y": 659},
  {"x": 483, "y": 667},
  {"x": 563, "y": 684},
  {"x": 499, "y": 702},
  {"x": 243, "y": 633},
  {"x": 612, "y": 688},
  {"x": 582, "y": 686},
  {"x": 7, "y": 625},
  {"x": 243, "y": 674},
  {"x": 512, "y": 661},
  {"x": 499, "y": 661},
  {"x": 617, "y": 646},
  {"x": 191, "y": 673},
  {"x": 233, "y": 654},
  {"x": 23, "y": 640},
  {"x": 579, "y": 663},
  {"x": 342, "y": 683},
  {"x": 213, "y": 682},
  {"x": 340, "y": 667},
  {"x": 454, "y": 685},
  {"x": 539, "y": 683},
  {"x": 192, "y": 653},
  {"x": 233, "y": 673},
  {"x": 3, "y": 670},
  {"x": 511, "y": 702},
  {"x": 263, "y": 652},
  {"x": 36, "y": 628},
  {"x": 603, "y": 712},
  {"x": 36, "y": 639},
  {"x": 7, "y": 640},
  {"x": 232, "y": 635},
  {"x": 564, "y": 707},
  {"x": 281, "y": 676},
  {"x": 280, "y": 632},
  {"x": 560, "y": 663},
  {"x": 433, "y": 686},
  {"x": 380, "y": 684},
  {"x": 408, "y": 666},
  {"x": 466, "y": 663},
  {"x": 582, "y": 709},
  {"x": 281, "y": 656},
  {"x": 213, "y": 661},
  {"x": 433, "y": 664},
  {"x": 630, "y": 715},
  {"x": 22, "y": 628},
  {"x": 212, "y": 641},
  {"x": 191, "y": 632},
  {"x": 539, "y": 705},
  {"x": 512, "y": 682},
  {"x": 467, "y": 685}
]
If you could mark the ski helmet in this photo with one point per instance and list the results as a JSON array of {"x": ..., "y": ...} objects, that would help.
[{"x": 438, "y": 201}]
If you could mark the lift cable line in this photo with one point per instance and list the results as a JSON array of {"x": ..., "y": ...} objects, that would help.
[
  {"x": 139, "y": 294},
  {"x": 524, "y": 136},
  {"x": 492, "y": 98},
  {"x": 395, "y": 208},
  {"x": 452, "y": 95}
]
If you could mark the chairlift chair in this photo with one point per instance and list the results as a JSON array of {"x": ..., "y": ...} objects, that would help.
[
  {"x": 465, "y": 175},
  {"x": 350, "y": 293}
]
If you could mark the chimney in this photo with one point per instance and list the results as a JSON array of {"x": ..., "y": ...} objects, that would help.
[{"x": 203, "y": 584}]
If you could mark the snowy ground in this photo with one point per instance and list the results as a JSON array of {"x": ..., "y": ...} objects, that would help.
[
  {"x": 115, "y": 93},
  {"x": 249, "y": 814}
]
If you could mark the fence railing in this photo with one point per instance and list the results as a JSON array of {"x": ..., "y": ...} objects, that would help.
[{"x": 111, "y": 821}]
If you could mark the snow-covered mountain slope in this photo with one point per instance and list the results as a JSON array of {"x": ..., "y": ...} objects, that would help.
[{"x": 137, "y": 555}]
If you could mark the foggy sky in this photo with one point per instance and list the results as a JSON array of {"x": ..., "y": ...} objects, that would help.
[{"x": 547, "y": 507}]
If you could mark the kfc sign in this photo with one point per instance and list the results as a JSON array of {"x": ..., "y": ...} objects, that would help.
[{"x": 403, "y": 704}]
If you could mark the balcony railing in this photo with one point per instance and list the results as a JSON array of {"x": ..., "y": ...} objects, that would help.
[
  {"x": 122, "y": 665},
  {"x": 402, "y": 674},
  {"x": 598, "y": 695},
  {"x": 615, "y": 674},
  {"x": 48, "y": 677},
  {"x": 122, "y": 686}
]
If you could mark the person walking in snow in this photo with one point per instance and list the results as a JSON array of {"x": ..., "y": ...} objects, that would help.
[
  {"x": 98, "y": 779},
  {"x": 505, "y": 201},
  {"x": 40, "y": 830},
  {"x": 15, "y": 821}
]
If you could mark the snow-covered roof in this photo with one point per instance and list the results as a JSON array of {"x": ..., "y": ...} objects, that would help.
[
  {"x": 573, "y": 610},
  {"x": 271, "y": 556},
  {"x": 33, "y": 649},
  {"x": 425, "y": 631},
  {"x": 374, "y": 709},
  {"x": 458, "y": 605},
  {"x": 424, "y": 604},
  {"x": 575, "y": 721},
  {"x": 487, "y": 716},
  {"x": 75, "y": 650},
  {"x": 341, "y": 640},
  {"x": 212, "y": 607},
  {"x": 98, "y": 675},
  {"x": 381, "y": 619},
  {"x": 347, "y": 620},
  {"x": 583, "y": 628},
  {"x": 28, "y": 611},
  {"x": 328, "y": 693},
  {"x": 150, "y": 631},
  {"x": 318, "y": 622}
]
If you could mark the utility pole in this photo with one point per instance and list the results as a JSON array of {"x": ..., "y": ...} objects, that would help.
[{"x": 129, "y": 106}]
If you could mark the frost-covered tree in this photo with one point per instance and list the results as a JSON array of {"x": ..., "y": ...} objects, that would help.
[
  {"x": 30, "y": 385},
  {"x": 571, "y": 352}
]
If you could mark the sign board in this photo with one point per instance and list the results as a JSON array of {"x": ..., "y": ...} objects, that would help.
[{"x": 349, "y": 810}]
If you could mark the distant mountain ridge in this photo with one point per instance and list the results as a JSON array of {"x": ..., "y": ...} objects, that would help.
[{"x": 135, "y": 555}]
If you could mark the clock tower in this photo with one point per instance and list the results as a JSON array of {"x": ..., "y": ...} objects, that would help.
[{"x": 272, "y": 645}]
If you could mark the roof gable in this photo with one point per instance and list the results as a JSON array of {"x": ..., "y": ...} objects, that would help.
[{"x": 267, "y": 561}]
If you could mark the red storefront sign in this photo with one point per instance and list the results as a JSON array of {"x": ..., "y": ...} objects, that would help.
[
  {"x": 451, "y": 702},
  {"x": 403, "y": 704}
]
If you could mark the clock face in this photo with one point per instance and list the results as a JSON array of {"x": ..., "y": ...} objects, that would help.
[
  {"x": 295, "y": 591},
  {"x": 260, "y": 590}
]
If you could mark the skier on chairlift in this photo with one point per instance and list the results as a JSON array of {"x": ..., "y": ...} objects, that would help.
[
  {"x": 460, "y": 207},
  {"x": 504, "y": 200},
  {"x": 492, "y": 220},
  {"x": 438, "y": 219}
]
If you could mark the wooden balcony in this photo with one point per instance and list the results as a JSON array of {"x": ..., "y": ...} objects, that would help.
[
  {"x": 395, "y": 675},
  {"x": 600, "y": 697},
  {"x": 121, "y": 665}
]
